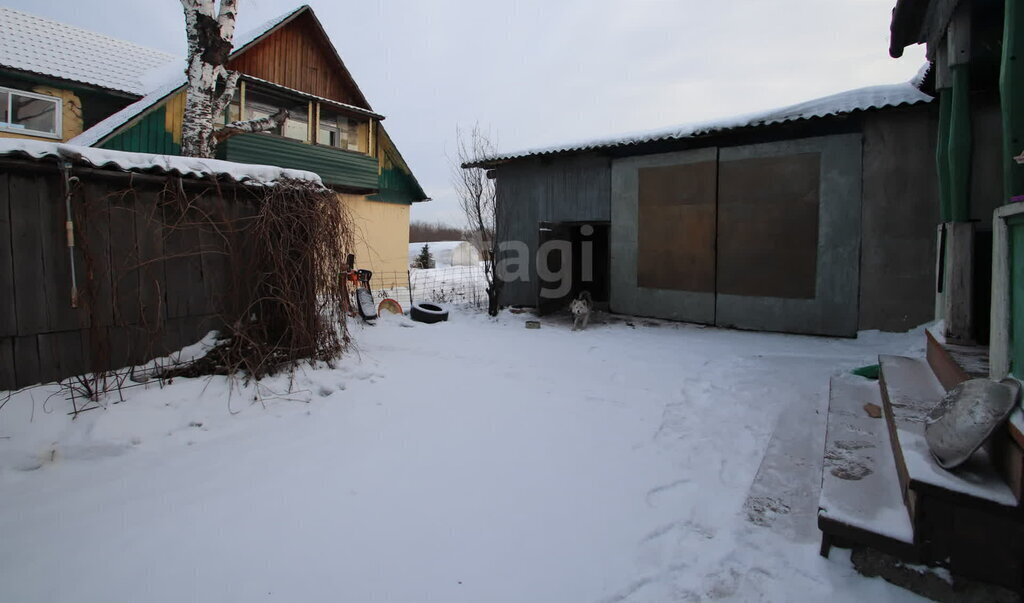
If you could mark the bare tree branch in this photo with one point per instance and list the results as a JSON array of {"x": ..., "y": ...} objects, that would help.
[
  {"x": 261, "y": 124},
  {"x": 478, "y": 199},
  {"x": 230, "y": 83}
]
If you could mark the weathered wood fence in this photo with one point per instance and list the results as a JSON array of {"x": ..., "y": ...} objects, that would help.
[{"x": 150, "y": 262}]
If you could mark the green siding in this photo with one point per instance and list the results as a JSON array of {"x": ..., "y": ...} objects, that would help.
[
  {"x": 396, "y": 186},
  {"x": 1016, "y": 236},
  {"x": 335, "y": 166},
  {"x": 148, "y": 135}
]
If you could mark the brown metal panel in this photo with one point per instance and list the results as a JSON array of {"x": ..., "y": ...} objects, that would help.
[
  {"x": 27, "y": 251},
  {"x": 152, "y": 283},
  {"x": 768, "y": 226},
  {"x": 124, "y": 258},
  {"x": 26, "y": 360},
  {"x": 8, "y": 316},
  {"x": 676, "y": 227},
  {"x": 8, "y": 375},
  {"x": 93, "y": 218},
  {"x": 56, "y": 265}
]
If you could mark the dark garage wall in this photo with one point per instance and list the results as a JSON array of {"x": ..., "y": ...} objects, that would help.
[
  {"x": 573, "y": 189},
  {"x": 900, "y": 213}
]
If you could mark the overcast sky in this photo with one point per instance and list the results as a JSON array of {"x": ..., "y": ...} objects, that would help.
[{"x": 544, "y": 72}]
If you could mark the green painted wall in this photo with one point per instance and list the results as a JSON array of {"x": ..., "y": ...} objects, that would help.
[
  {"x": 334, "y": 166},
  {"x": 149, "y": 135},
  {"x": 396, "y": 186},
  {"x": 1016, "y": 239}
]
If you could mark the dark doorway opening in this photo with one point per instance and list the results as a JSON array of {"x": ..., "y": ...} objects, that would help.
[{"x": 577, "y": 257}]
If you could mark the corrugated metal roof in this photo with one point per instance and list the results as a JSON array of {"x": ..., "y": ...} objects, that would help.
[
  {"x": 861, "y": 99},
  {"x": 191, "y": 167},
  {"x": 50, "y": 48}
]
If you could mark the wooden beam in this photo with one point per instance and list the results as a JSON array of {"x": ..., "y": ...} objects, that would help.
[
  {"x": 960, "y": 144},
  {"x": 942, "y": 153}
]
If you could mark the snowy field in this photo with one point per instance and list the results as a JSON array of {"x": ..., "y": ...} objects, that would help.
[{"x": 473, "y": 460}]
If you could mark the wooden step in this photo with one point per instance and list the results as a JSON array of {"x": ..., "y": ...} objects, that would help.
[
  {"x": 954, "y": 364},
  {"x": 968, "y": 519},
  {"x": 909, "y": 391},
  {"x": 861, "y": 502}
]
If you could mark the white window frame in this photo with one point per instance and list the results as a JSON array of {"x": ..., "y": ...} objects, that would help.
[{"x": 58, "y": 126}]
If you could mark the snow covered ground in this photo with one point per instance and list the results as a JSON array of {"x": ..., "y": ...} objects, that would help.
[{"x": 472, "y": 460}]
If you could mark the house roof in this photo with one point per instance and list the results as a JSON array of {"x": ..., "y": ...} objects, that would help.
[
  {"x": 172, "y": 84},
  {"x": 861, "y": 99},
  {"x": 75, "y": 54},
  {"x": 189, "y": 167},
  {"x": 919, "y": 22},
  {"x": 178, "y": 80}
]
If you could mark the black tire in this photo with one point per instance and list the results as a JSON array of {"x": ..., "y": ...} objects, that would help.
[{"x": 428, "y": 313}]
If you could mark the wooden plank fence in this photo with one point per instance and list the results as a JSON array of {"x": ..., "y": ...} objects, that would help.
[{"x": 151, "y": 277}]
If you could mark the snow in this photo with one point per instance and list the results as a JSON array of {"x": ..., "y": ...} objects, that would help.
[
  {"x": 106, "y": 127},
  {"x": 860, "y": 486},
  {"x": 472, "y": 460},
  {"x": 860, "y": 99},
  {"x": 976, "y": 478},
  {"x": 447, "y": 253},
  {"x": 47, "y": 47},
  {"x": 145, "y": 162}
]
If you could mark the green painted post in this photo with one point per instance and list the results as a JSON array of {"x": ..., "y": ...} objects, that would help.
[
  {"x": 960, "y": 144},
  {"x": 942, "y": 153},
  {"x": 1011, "y": 92},
  {"x": 1016, "y": 242}
]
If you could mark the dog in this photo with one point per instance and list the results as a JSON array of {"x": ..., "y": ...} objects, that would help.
[{"x": 581, "y": 308}]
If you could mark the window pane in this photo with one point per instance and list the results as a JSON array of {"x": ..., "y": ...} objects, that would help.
[
  {"x": 4, "y": 97},
  {"x": 330, "y": 133},
  {"x": 341, "y": 131},
  {"x": 297, "y": 124},
  {"x": 259, "y": 104},
  {"x": 34, "y": 113}
]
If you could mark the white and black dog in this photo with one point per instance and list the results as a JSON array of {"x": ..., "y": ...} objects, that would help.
[{"x": 581, "y": 308}]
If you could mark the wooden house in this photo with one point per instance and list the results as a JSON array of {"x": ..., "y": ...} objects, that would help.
[
  {"x": 106, "y": 93},
  {"x": 968, "y": 519}
]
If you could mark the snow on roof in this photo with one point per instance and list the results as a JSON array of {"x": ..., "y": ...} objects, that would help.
[
  {"x": 169, "y": 85},
  {"x": 46, "y": 47},
  {"x": 190, "y": 167},
  {"x": 861, "y": 99}
]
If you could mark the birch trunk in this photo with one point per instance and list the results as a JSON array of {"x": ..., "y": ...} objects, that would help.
[{"x": 210, "y": 32}]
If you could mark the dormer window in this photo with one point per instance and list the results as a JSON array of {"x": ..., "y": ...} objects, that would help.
[
  {"x": 29, "y": 113},
  {"x": 340, "y": 131},
  {"x": 310, "y": 119},
  {"x": 259, "y": 104}
]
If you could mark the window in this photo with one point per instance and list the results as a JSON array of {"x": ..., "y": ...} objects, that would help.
[
  {"x": 29, "y": 113},
  {"x": 296, "y": 126},
  {"x": 341, "y": 132}
]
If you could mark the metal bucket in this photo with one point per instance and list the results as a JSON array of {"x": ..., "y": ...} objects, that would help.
[{"x": 966, "y": 417}]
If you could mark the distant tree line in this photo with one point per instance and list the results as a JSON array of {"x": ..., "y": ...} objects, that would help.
[{"x": 427, "y": 232}]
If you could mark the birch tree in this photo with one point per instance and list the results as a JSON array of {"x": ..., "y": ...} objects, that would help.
[{"x": 210, "y": 31}]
